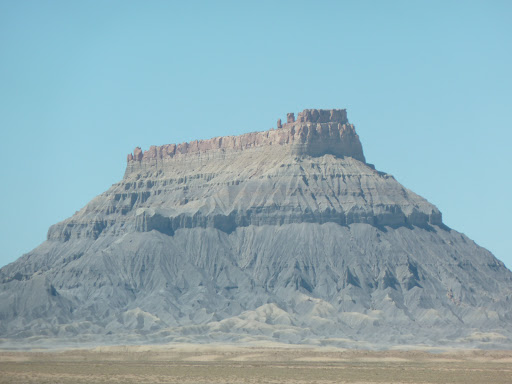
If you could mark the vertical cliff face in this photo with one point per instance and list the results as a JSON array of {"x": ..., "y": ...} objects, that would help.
[
  {"x": 285, "y": 235},
  {"x": 315, "y": 133}
]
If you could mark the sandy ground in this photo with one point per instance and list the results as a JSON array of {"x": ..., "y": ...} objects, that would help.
[{"x": 230, "y": 364}]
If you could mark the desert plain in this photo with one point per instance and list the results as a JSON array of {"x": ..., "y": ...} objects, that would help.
[{"x": 259, "y": 364}]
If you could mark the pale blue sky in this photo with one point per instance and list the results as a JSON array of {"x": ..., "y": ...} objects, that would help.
[{"x": 426, "y": 83}]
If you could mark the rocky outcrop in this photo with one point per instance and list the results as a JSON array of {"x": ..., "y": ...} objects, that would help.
[
  {"x": 323, "y": 116},
  {"x": 319, "y": 175},
  {"x": 286, "y": 235},
  {"x": 301, "y": 173},
  {"x": 316, "y": 133}
]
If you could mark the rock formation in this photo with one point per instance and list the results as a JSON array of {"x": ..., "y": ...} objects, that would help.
[{"x": 285, "y": 235}]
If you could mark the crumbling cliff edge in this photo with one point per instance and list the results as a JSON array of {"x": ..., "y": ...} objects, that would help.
[{"x": 316, "y": 132}]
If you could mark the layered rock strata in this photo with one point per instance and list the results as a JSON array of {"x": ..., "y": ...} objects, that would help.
[
  {"x": 311, "y": 170},
  {"x": 286, "y": 235},
  {"x": 315, "y": 133}
]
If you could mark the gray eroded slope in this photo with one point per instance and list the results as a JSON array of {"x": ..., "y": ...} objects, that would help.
[{"x": 259, "y": 243}]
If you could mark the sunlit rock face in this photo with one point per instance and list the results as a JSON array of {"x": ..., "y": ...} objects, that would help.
[{"x": 285, "y": 235}]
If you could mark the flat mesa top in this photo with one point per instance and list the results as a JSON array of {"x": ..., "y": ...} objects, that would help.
[{"x": 315, "y": 132}]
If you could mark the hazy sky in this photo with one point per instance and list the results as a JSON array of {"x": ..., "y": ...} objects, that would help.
[{"x": 428, "y": 85}]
